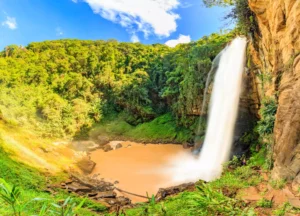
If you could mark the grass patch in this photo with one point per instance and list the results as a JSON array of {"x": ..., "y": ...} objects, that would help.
[
  {"x": 264, "y": 203},
  {"x": 208, "y": 198},
  {"x": 204, "y": 201},
  {"x": 161, "y": 129},
  {"x": 241, "y": 177},
  {"x": 31, "y": 183}
]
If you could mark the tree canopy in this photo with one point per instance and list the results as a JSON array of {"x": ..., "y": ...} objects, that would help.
[{"x": 63, "y": 86}]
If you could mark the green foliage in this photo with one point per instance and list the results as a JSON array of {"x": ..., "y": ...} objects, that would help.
[
  {"x": 261, "y": 138},
  {"x": 259, "y": 158},
  {"x": 240, "y": 13},
  {"x": 264, "y": 203},
  {"x": 61, "y": 88},
  {"x": 44, "y": 111},
  {"x": 283, "y": 209},
  {"x": 266, "y": 124},
  {"x": 204, "y": 201},
  {"x": 187, "y": 69},
  {"x": 211, "y": 202},
  {"x": 278, "y": 184},
  {"x": 67, "y": 208},
  {"x": 161, "y": 129},
  {"x": 27, "y": 194},
  {"x": 10, "y": 195},
  {"x": 12, "y": 170},
  {"x": 241, "y": 177},
  {"x": 218, "y": 2}
]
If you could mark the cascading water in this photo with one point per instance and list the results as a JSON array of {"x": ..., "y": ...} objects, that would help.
[
  {"x": 223, "y": 111},
  {"x": 210, "y": 75}
]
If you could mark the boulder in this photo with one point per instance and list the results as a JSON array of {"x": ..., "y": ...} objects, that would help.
[
  {"x": 119, "y": 145},
  {"x": 164, "y": 192},
  {"x": 86, "y": 165},
  {"x": 102, "y": 140},
  {"x": 107, "y": 148}
]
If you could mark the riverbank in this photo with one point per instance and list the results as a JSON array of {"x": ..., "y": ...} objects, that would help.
[{"x": 162, "y": 129}]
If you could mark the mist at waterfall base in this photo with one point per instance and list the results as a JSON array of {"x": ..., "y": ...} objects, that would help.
[{"x": 223, "y": 111}]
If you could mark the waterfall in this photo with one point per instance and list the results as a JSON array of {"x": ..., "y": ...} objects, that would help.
[
  {"x": 223, "y": 111},
  {"x": 210, "y": 75}
]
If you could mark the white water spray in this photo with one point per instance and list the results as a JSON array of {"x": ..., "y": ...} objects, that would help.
[{"x": 224, "y": 105}]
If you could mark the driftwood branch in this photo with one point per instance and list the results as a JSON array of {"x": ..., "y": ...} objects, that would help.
[{"x": 137, "y": 195}]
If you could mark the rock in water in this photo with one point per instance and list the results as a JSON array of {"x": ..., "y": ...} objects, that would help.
[
  {"x": 107, "y": 148},
  {"x": 86, "y": 165},
  {"x": 102, "y": 140},
  {"x": 119, "y": 145}
]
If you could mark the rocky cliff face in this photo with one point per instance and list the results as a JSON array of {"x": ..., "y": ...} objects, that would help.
[{"x": 278, "y": 56}]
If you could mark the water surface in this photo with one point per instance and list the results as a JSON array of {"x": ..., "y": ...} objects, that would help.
[{"x": 139, "y": 168}]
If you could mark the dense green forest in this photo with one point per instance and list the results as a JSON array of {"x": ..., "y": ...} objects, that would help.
[{"x": 60, "y": 88}]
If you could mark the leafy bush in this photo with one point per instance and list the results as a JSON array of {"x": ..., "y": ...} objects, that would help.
[
  {"x": 44, "y": 111},
  {"x": 12, "y": 197},
  {"x": 209, "y": 201},
  {"x": 205, "y": 200},
  {"x": 278, "y": 184},
  {"x": 264, "y": 203},
  {"x": 266, "y": 124}
]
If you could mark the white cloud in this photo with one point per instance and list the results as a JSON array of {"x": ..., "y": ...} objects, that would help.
[
  {"x": 134, "y": 38},
  {"x": 75, "y": 1},
  {"x": 147, "y": 16},
  {"x": 59, "y": 31},
  {"x": 181, "y": 39},
  {"x": 10, "y": 22}
]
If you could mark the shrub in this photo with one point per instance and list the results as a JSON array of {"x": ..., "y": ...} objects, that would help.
[
  {"x": 267, "y": 112},
  {"x": 264, "y": 203},
  {"x": 278, "y": 184}
]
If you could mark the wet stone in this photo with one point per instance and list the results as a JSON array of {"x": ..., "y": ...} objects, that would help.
[
  {"x": 164, "y": 192},
  {"x": 86, "y": 165},
  {"x": 107, "y": 148},
  {"x": 108, "y": 194},
  {"x": 79, "y": 188}
]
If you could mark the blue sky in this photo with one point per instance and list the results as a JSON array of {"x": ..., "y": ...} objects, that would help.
[{"x": 146, "y": 21}]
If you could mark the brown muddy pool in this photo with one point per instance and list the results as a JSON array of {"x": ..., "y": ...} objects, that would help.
[{"x": 137, "y": 167}]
